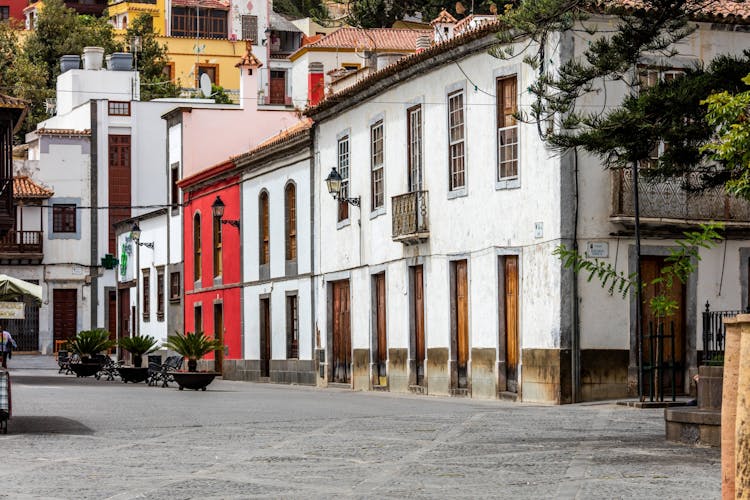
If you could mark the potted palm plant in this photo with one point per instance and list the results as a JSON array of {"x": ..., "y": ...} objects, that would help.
[
  {"x": 193, "y": 346},
  {"x": 138, "y": 346},
  {"x": 89, "y": 346}
]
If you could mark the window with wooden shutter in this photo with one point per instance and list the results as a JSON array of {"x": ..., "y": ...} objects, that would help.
[
  {"x": 197, "y": 247},
  {"x": 290, "y": 196},
  {"x": 217, "y": 247},
  {"x": 507, "y": 129},
  {"x": 342, "y": 164},
  {"x": 146, "y": 294},
  {"x": 160, "y": 294},
  {"x": 198, "y": 319},
  {"x": 250, "y": 28},
  {"x": 63, "y": 218},
  {"x": 414, "y": 144},
  {"x": 292, "y": 327},
  {"x": 119, "y": 184},
  {"x": 265, "y": 249},
  {"x": 377, "y": 195},
  {"x": 175, "y": 290}
]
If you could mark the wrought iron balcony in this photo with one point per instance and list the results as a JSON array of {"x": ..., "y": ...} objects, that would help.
[
  {"x": 410, "y": 217},
  {"x": 667, "y": 203},
  {"x": 23, "y": 246}
]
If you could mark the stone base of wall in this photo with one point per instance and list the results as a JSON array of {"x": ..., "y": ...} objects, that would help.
[
  {"x": 604, "y": 374},
  {"x": 483, "y": 378},
  {"x": 247, "y": 370},
  {"x": 398, "y": 370},
  {"x": 694, "y": 426},
  {"x": 293, "y": 371},
  {"x": 361, "y": 370},
  {"x": 438, "y": 374},
  {"x": 546, "y": 376}
]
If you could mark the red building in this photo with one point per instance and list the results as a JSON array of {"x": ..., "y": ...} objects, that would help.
[
  {"x": 12, "y": 9},
  {"x": 213, "y": 263}
]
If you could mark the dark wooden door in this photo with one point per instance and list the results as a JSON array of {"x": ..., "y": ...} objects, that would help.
[
  {"x": 112, "y": 314},
  {"x": 342, "y": 339},
  {"x": 419, "y": 342},
  {"x": 119, "y": 184},
  {"x": 123, "y": 316},
  {"x": 64, "y": 313},
  {"x": 382, "y": 341},
  {"x": 278, "y": 87},
  {"x": 655, "y": 348},
  {"x": 461, "y": 328},
  {"x": 219, "y": 335},
  {"x": 510, "y": 296},
  {"x": 265, "y": 337}
]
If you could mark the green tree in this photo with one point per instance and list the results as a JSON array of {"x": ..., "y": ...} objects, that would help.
[
  {"x": 729, "y": 115},
  {"x": 150, "y": 59}
]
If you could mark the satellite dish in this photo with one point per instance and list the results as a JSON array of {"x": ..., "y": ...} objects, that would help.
[{"x": 205, "y": 85}]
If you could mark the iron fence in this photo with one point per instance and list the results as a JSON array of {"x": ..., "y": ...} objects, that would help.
[{"x": 714, "y": 334}]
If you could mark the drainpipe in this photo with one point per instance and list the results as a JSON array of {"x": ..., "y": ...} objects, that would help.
[
  {"x": 576, "y": 334},
  {"x": 94, "y": 203}
]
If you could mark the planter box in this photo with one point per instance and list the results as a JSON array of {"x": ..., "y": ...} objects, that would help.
[
  {"x": 193, "y": 380},
  {"x": 85, "y": 369},
  {"x": 133, "y": 374}
]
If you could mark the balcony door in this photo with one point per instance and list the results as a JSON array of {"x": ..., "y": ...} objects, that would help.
[
  {"x": 278, "y": 87},
  {"x": 414, "y": 143}
]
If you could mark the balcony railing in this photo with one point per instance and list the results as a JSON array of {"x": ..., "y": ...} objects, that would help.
[
  {"x": 410, "y": 217},
  {"x": 21, "y": 242},
  {"x": 668, "y": 200}
]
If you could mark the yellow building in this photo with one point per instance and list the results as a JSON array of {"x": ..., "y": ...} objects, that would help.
[
  {"x": 191, "y": 57},
  {"x": 123, "y": 12}
]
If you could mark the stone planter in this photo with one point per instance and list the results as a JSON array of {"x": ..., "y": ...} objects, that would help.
[
  {"x": 193, "y": 380},
  {"x": 68, "y": 62},
  {"x": 85, "y": 369},
  {"x": 120, "y": 61},
  {"x": 133, "y": 374}
]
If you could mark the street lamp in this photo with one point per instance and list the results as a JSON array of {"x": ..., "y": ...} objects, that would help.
[
  {"x": 334, "y": 182},
  {"x": 135, "y": 235},
  {"x": 218, "y": 210}
]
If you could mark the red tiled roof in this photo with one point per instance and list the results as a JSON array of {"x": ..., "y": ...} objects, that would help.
[
  {"x": 62, "y": 131},
  {"x": 7, "y": 101},
  {"x": 307, "y": 40},
  {"x": 371, "y": 39},
  {"x": 729, "y": 10},
  {"x": 25, "y": 188},
  {"x": 443, "y": 17},
  {"x": 204, "y": 4},
  {"x": 293, "y": 131},
  {"x": 249, "y": 58}
]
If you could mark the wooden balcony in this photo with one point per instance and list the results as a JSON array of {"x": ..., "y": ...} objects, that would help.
[
  {"x": 666, "y": 204},
  {"x": 410, "y": 218},
  {"x": 21, "y": 247}
]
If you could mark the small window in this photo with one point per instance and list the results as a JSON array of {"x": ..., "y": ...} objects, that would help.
[
  {"x": 217, "y": 247},
  {"x": 63, "y": 218},
  {"x": 350, "y": 67},
  {"x": 160, "y": 295},
  {"x": 212, "y": 70},
  {"x": 250, "y": 28},
  {"x": 175, "y": 189},
  {"x": 198, "y": 319},
  {"x": 197, "y": 247},
  {"x": 146, "y": 294},
  {"x": 119, "y": 108},
  {"x": 290, "y": 199},
  {"x": 175, "y": 288},
  {"x": 456, "y": 148},
  {"x": 4, "y": 13},
  {"x": 292, "y": 327},
  {"x": 342, "y": 164},
  {"x": 376, "y": 166}
]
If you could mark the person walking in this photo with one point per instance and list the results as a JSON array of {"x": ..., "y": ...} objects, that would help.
[{"x": 5, "y": 346}]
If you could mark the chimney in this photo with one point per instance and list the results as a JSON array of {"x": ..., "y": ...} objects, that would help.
[
  {"x": 249, "y": 66},
  {"x": 315, "y": 84}
]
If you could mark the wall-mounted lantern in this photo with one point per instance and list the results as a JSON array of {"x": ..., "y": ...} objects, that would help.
[{"x": 218, "y": 210}]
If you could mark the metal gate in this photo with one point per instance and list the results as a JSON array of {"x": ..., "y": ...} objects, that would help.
[{"x": 26, "y": 331}]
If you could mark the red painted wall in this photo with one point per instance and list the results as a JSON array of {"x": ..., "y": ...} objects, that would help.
[
  {"x": 315, "y": 88},
  {"x": 209, "y": 291},
  {"x": 16, "y": 8}
]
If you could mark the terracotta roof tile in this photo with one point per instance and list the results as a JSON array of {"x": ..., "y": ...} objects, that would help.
[
  {"x": 293, "y": 131},
  {"x": 249, "y": 58},
  {"x": 25, "y": 188},
  {"x": 61, "y": 131},
  {"x": 721, "y": 9},
  {"x": 204, "y": 4},
  {"x": 7, "y": 101},
  {"x": 371, "y": 39},
  {"x": 443, "y": 17}
]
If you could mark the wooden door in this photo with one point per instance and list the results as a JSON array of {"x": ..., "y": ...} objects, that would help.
[
  {"x": 342, "y": 339},
  {"x": 278, "y": 87},
  {"x": 123, "y": 316},
  {"x": 265, "y": 337},
  {"x": 112, "y": 314},
  {"x": 510, "y": 296},
  {"x": 461, "y": 327},
  {"x": 382, "y": 345},
  {"x": 219, "y": 335},
  {"x": 419, "y": 342},
  {"x": 64, "y": 313},
  {"x": 654, "y": 347}
]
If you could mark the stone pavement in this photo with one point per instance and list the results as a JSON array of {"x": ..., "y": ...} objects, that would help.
[{"x": 82, "y": 438}]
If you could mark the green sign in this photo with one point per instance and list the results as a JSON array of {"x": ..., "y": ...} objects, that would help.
[{"x": 109, "y": 261}]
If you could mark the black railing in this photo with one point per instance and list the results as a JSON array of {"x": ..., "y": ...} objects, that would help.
[
  {"x": 714, "y": 334},
  {"x": 663, "y": 363}
]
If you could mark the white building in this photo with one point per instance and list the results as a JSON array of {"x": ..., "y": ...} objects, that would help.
[
  {"x": 443, "y": 279},
  {"x": 278, "y": 327}
]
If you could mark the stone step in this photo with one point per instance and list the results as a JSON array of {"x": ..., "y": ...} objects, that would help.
[
  {"x": 460, "y": 393},
  {"x": 382, "y": 388},
  {"x": 417, "y": 389},
  {"x": 508, "y": 396}
]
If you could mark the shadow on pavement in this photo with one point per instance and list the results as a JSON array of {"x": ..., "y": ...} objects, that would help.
[{"x": 47, "y": 425}]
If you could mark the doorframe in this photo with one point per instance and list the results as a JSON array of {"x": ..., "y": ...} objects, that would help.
[
  {"x": 500, "y": 253},
  {"x": 453, "y": 349},
  {"x": 691, "y": 312}
]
